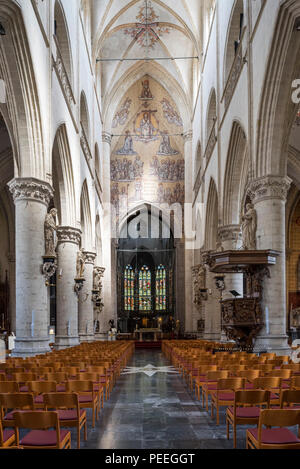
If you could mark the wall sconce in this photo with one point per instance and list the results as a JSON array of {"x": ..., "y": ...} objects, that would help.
[{"x": 49, "y": 268}]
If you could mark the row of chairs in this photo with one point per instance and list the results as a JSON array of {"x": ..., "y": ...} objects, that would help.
[
  {"x": 51, "y": 393},
  {"x": 265, "y": 393}
]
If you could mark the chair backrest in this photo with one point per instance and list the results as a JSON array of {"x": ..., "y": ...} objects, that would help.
[
  {"x": 283, "y": 374},
  {"x": 295, "y": 383},
  {"x": 230, "y": 384},
  {"x": 252, "y": 397},
  {"x": 61, "y": 400},
  {"x": 41, "y": 420},
  {"x": 39, "y": 387},
  {"x": 80, "y": 386},
  {"x": 249, "y": 374},
  {"x": 11, "y": 371},
  {"x": 267, "y": 382},
  {"x": 9, "y": 386},
  {"x": 71, "y": 370},
  {"x": 279, "y": 417},
  {"x": 101, "y": 370},
  {"x": 24, "y": 377},
  {"x": 87, "y": 376},
  {"x": 289, "y": 396},
  {"x": 216, "y": 375},
  {"x": 58, "y": 376},
  {"x": 16, "y": 401}
]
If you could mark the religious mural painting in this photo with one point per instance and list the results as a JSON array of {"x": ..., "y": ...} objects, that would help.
[
  {"x": 147, "y": 30},
  {"x": 122, "y": 116},
  {"x": 147, "y": 161}
]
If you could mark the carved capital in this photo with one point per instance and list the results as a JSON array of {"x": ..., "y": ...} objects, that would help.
[
  {"x": 31, "y": 189},
  {"x": 90, "y": 257},
  {"x": 106, "y": 138},
  {"x": 269, "y": 187},
  {"x": 68, "y": 234}
]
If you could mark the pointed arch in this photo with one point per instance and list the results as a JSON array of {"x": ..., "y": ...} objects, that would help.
[
  {"x": 62, "y": 37},
  {"x": 237, "y": 167},
  {"x": 23, "y": 107},
  {"x": 277, "y": 112},
  {"x": 234, "y": 36},
  {"x": 211, "y": 115},
  {"x": 86, "y": 218},
  {"x": 63, "y": 178},
  {"x": 212, "y": 217}
]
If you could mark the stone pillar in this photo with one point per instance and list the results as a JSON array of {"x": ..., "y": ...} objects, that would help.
[
  {"x": 108, "y": 243},
  {"x": 85, "y": 304},
  {"x": 31, "y": 197},
  {"x": 188, "y": 137},
  {"x": 231, "y": 240},
  {"x": 68, "y": 240},
  {"x": 12, "y": 290},
  {"x": 212, "y": 309},
  {"x": 268, "y": 194}
]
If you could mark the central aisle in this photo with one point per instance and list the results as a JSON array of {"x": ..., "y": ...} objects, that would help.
[{"x": 153, "y": 412}]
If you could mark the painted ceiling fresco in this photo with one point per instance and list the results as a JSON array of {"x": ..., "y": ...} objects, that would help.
[{"x": 147, "y": 163}]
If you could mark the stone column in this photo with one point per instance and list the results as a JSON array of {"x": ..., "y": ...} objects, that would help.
[
  {"x": 188, "y": 137},
  {"x": 12, "y": 290},
  {"x": 85, "y": 304},
  {"x": 212, "y": 309},
  {"x": 231, "y": 240},
  {"x": 31, "y": 197},
  {"x": 268, "y": 194},
  {"x": 108, "y": 243},
  {"x": 68, "y": 240}
]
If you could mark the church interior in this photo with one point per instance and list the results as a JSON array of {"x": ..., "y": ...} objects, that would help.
[{"x": 149, "y": 224}]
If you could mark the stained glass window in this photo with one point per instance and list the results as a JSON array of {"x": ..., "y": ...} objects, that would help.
[
  {"x": 160, "y": 289},
  {"x": 145, "y": 289},
  {"x": 129, "y": 288}
]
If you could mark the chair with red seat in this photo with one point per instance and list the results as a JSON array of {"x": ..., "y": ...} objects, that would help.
[
  {"x": 290, "y": 398},
  {"x": 224, "y": 395},
  {"x": 272, "y": 384},
  {"x": 295, "y": 382},
  {"x": 14, "y": 401},
  {"x": 246, "y": 409},
  {"x": 7, "y": 437},
  {"x": 7, "y": 387},
  {"x": 88, "y": 396},
  {"x": 40, "y": 436},
  {"x": 60, "y": 377},
  {"x": 249, "y": 376},
  {"x": 23, "y": 378},
  {"x": 275, "y": 438},
  {"x": 210, "y": 385},
  {"x": 96, "y": 378},
  {"x": 69, "y": 412},
  {"x": 38, "y": 388}
]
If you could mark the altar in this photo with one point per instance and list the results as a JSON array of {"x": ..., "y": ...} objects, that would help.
[{"x": 148, "y": 335}]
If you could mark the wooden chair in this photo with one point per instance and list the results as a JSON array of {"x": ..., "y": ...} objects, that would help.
[
  {"x": 210, "y": 385},
  {"x": 23, "y": 378},
  {"x": 104, "y": 377},
  {"x": 290, "y": 398},
  {"x": 7, "y": 437},
  {"x": 88, "y": 396},
  {"x": 7, "y": 387},
  {"x": 40, "y": 436},
  {"x": 98, "y": 385},
  {"x": 60, "y": 377},
  {"x": 249, "y": 376},
  {"x": 246, "y": 409},
  {"x": 202, "y": 377},
  {"x": 69, "y": 412},
  {"x": 275, "y": 438},
  {"x": 295, "y": 382},
  {"x": 38, "y": 388},
  {"x": 272, "y": 384},
  {"x": 224, "y": 394},
  {"x": 14, "y": 401}
]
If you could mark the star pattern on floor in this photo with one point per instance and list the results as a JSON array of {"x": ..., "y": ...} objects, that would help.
[{"x": 148, "y": 370}]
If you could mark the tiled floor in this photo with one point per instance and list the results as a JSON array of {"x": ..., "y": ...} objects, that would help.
[{"x": 155, "y": 412}]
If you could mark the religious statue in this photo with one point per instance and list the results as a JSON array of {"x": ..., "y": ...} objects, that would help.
[
  {"x": 50, "y": 230},
  {"x": 165, "y": 146},
  {"x": 80, "y": 264},
  {"x": 146, "y": 93},
  {"x": 249, "y": 227},
  {"x": 127, "y": 148}
]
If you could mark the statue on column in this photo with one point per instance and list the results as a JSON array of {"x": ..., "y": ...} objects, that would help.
[
  {"x": 50, "y": 231},
  {"x": 249, "y": 227},
  {"x": 80, "y": 264}
]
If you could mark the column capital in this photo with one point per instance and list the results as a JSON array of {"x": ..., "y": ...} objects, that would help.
[
  {"x": 269, "y": 187},
  {"x": 31, "y": 189},
  {"x": 188, "y": 136},
  {"x": 229, "y": 233},
  {"x": 106, "y": 137},
  {"x": 90, "y": 257},
  {"x": 68, "y": 234}
]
